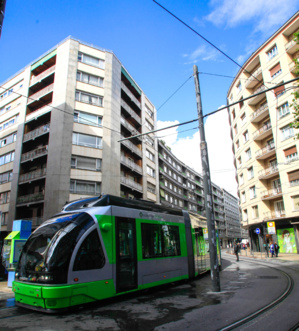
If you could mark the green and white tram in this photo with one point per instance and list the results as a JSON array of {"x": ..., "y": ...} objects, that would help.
[{"x": 105, "y": 247}]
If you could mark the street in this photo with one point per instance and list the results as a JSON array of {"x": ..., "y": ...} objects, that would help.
[{"x": 245, "y": 287}]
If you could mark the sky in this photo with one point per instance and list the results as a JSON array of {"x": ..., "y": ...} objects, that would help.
[{"x": 159, "y": 52}]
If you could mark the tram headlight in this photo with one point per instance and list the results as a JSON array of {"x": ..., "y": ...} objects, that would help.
[{"x": 45, "y": 278}]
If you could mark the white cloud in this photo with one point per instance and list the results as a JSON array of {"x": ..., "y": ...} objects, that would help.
[
  {"x": 263, "y": 15},
  {"x": 203, "y": 53},
  {"x": 219, "y": 142}
]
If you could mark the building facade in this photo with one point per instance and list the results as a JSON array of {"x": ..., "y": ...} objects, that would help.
[
  {"x": 61, "y": 121},
  {"x": 266, "y": 153},
  {"x": 182, "y": 187}
]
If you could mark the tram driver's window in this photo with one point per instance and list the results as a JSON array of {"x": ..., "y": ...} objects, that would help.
[{"x": 90, "y": 255}]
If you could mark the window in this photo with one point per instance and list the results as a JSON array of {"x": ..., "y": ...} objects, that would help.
[
  {"x": 4, "y": 218},
  {"x": 250, "y": 173},
  {"x": 286, "y": 132},
  {"x": 149, "y": 125},
  {"x": 90, "y": 79},
  {"x": 241, "y": 179},
  {"x": 283, "y": 110},
  {"x": 245, "y": 136},
  {"x": 239, "y": 161},
  {"x": 252, "y": 192},
  {"x": 243, "y": 197},
  {"x": 149, "y": 112},
  {"x": 93, "y": 61},
  {"x": 291, "y": 154},
  {"x": 245, "y": 215},
  {"x": 243, "y": 119},
  {"x": 233, "y": 114},
  {"x": 87, "y": 140},
  {"x": 160, "y": 241},
  {"x": 241, "y": 103},
  {"x": 239, "y": 87},
  {"x": 86, "y": 118},
  {"x": 4, "y": 197},
  {"x": 296, "y": 202},
  {"x": 272, "y": 53},
  {"x": 149, "y": 140},
  {"x": 255, "y": 212},
  {"x": 150, "y": 155},
  {"x": 235, "y": 129},
  {"x": 237, "y": 144},
  {"x": 248, "y": 154},
  {"x": 275, "y": 71},
  {"x": 90, "y": 254},
  {"x": 85, "y": 187},
  {"x": 150, "y": 171},
  {"x": 279, "y": 91},
  {"x": 6, "y": 177},
  {"x": 89, "y": 98},
  {"x": 294, "y": 178},
  {"x": 86, "y": 163},
  {"x": 6, "y": 158},
  {"x": 151, "y": 188},
  {"x": 8, "y": 140},
  {"x": 8, "y": 123}
]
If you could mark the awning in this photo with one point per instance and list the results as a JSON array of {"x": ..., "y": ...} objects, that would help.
[
  {"x": 43, "y": 60},
  {"x": 131, "y": 80},
  {"x": 13, "y": 235}
]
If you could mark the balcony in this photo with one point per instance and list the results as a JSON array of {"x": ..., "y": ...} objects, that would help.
[
  {"x": 133, "y": 148},
  {"x": 253, "y": 80},
  {"x": 260, "y": 114},
  {"x": 262, "y": 133},
  {"x": 256, "y": 99},
  {"x": 265, "y": 152},
  {"x": 37, "y": 132},
  {"x": 291, "y": 47},
  {"x": 271, "y": 194},
  {"x": 38, "y": 152},
  {"x": 292, "y": 67},
  {"x": 130, "y": 127},
  {"x": 32, "y": 175},
  {"x": 130, "y": 164},
  {"x": 130, "y": 111},
  {"x": 40, "y": 77},
  {"x": 274, "y": 215},
  {"x": 131, "y": 184},
  {"x": 29, "y": 198},
  {"x": 268, "y": 173},
  {"x": 36, "y": 96},
  {"x": 130, "y": 95}
]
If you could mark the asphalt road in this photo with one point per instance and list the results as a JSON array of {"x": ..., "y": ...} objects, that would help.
[{"x": 245, "y": 287}]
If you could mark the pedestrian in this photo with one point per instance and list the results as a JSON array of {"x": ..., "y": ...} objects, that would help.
[
  {"x": 236, "y": 249},
  {"x": 272, "y": 249},
  {"x": 276, "y": 248}
]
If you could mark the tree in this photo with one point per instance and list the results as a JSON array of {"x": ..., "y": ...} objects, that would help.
[{"x": 295, "y": 103}]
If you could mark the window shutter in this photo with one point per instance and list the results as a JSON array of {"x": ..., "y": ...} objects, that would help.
[
  {"x": 279, "y": 90},
  {"x": 294, "y": 175},
  {"x": 275, "y": 69},
  {"x": 290, "y": 151}
]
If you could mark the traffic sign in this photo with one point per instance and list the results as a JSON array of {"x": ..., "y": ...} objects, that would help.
[{"x": 257, "y": 231}]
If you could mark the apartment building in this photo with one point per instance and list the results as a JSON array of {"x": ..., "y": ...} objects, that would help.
[
  {"x": 266, "y": 153},
  {"x": 182, "y": 187},
  {"x": 61, "y": 121}
]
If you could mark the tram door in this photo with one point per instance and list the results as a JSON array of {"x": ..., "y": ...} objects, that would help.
[{"x": 126, "y": 254}]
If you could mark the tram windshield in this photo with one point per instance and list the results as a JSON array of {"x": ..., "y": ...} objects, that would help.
[{"x": 46, "y": 255}]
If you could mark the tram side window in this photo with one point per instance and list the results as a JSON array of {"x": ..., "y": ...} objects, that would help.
[
  {"x": 90, "y": 255},
  {"x": 160, "y": 241}
]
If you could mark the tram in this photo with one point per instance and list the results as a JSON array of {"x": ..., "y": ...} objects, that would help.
[{"x": 107, "y": 246}]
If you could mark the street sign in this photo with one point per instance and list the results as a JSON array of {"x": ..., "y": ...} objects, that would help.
[
  {"x": 257, "y": 231},
  {"x": 271, "y": 227}
]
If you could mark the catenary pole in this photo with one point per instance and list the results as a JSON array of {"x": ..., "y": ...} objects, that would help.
[{"x": 207, "y": 189}]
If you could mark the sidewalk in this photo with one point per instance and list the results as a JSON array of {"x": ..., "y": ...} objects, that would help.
[{"x": 5, "y": 292}]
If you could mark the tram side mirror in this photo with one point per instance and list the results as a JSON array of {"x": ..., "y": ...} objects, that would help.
[{"x": 106, "y": 227}]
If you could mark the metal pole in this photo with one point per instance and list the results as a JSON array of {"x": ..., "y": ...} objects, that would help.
[{"x": 207, "y": 189}]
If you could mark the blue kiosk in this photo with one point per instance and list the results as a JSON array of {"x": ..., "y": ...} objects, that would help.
[{"x": 13, "y": 245}]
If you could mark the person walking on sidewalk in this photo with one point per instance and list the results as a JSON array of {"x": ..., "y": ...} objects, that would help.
[
  {"x": 236, "y": 249},
  {"x": 276, "y": 248},
  {"x": 272, "y": 249}
]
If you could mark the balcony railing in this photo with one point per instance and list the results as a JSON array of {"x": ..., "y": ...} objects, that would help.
[
  {"x": 131, "y": 164},
  {"x": 41, "y": 76},
  {"x": 265, "y": 150},
  {"x": 30, "y": 198},
  {"x": 37, "y": 132},
  {"x": 261, "y": 130},
  {"x": 267, "y": 172},
  {"x": 271, "y": 193},
  {"x": 130, "y": 111},
  {"x": 291, "y": 47},
  {"x": 131, "y": 146},
  {"x": 35, "y": 153},
  {"x": 277, "y": 214},
  {"x": 129, "y": 126},
  {"x": 32, "y": 175},
  {"x": 34, "y": 97},
  {"x": 131, "y": 183},
  {"x": 131, "y": 95},
  {"x": 259, "y": 111},
  {"x": 253, "y": 78}
]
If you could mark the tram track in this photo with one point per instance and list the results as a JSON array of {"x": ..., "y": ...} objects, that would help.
[{"x": 251, "y": 317}]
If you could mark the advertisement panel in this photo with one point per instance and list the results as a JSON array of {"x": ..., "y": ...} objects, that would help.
[{"x": 286, "y": 240}]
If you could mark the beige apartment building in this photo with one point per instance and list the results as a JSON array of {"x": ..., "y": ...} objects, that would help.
[
  {"x": 266, "y": 152},
  {"x": 61, "y": 119}
]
